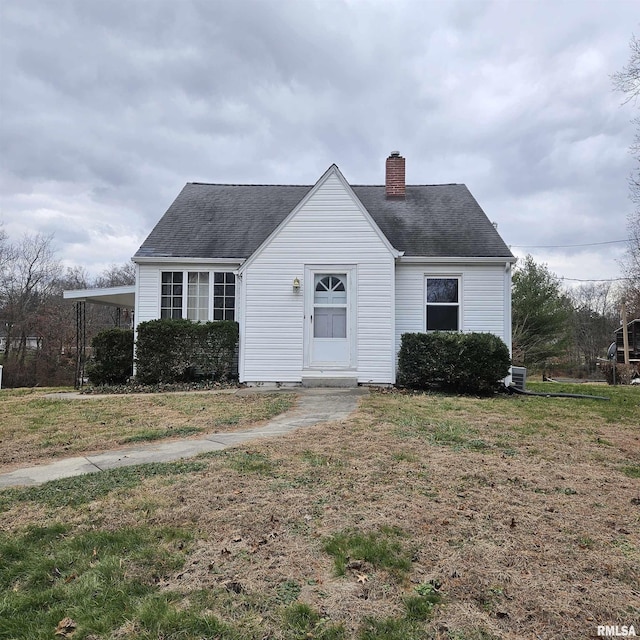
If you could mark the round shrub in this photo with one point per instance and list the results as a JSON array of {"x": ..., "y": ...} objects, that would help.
[{"x": 472, "y": 363}]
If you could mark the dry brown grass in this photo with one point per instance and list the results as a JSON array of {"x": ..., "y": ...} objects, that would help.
[
  {"x": 520, "y": 509},
  {"x": 35, "y": 426}
]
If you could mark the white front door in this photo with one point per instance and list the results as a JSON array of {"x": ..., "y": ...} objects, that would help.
[{"x": 330, "y": 314}]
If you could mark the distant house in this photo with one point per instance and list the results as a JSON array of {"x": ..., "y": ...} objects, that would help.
[
  {"x": 31, "y": 343},
  {"x": 324, "y": 279},
  {"x": 633, "y": 336}
]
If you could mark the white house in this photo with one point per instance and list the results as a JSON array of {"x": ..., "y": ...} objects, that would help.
[{"x": 324, "y": 279}]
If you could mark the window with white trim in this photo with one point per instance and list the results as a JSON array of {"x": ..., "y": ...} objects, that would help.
[
  {"x": 224, "y": 295},
  {"x": 443, "y": 303},
  {"x": 171, "y": 295},
  {"x": 210, "y": 295},
  {"x": 198, "y": 296}
]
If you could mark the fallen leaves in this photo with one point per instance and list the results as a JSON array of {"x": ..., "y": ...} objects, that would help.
[{"x": 66, "y": 628}]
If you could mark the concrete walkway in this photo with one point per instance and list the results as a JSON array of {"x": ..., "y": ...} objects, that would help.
[{"x": 313, "y": 407}]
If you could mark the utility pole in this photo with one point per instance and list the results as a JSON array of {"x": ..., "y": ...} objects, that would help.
[{"x": 625, "y": 334}]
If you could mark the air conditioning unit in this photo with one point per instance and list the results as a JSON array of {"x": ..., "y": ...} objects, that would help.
[{"x": 519, "y": 377}]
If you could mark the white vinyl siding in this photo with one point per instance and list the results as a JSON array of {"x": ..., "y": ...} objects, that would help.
[
  {"x": 329, "y": 229},
  {"x": 482, "y": 298}
]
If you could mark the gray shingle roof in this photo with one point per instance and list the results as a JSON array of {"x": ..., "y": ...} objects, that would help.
[{"x": 232, "y": 221}]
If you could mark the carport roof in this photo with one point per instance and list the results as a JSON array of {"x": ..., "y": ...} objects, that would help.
[{"x": 123, "y": 297}]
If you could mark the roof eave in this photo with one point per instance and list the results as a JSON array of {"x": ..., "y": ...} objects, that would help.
[
  {"x": 123, "y": 296},
  {"x": 458, "y": 259},
  {"x": 185, "y": 260}
]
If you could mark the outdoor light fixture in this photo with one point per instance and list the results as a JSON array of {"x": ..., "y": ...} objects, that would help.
[{"x": 296, "y": 285}]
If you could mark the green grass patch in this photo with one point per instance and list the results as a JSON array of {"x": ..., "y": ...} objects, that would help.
[
  {"x": 301, "y": 621},
  {"x": 315, "y": 459},
  {"x": 418, "y": 609},
  {"x": 161, "y": 434},
  {"x": 163, "y": 616},
  {"x": 504, "y": 424},
  {"x": 632, "y": 471},
  {"x": 390, "y": 629},
  {"x": 622, "y": 407},
  {"x": 99, "y": 579},
  {"x": 249, "y": 462},
  {"x": 288, "y": 591},
  {"x": 404, "y": 456},
  {"x": 73, "y": 492},
  {"x": 382, "y": 549}
]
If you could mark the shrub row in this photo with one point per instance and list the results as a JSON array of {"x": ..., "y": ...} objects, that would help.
[
  {"x": 458, "y": 362},
  {"x": 178, "y": 350}
]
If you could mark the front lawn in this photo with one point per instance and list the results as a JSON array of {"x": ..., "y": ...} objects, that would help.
[
  {"x": 35, "y": 426},
  {"x": 421, "y": 517}
]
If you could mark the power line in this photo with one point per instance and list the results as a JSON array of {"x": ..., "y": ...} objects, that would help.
[
  {"x": 595, "y": 280},
  {"x": 564, "y": 246}
]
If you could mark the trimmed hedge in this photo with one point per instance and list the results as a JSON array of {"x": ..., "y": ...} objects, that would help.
[
  {"x": 459, "y": 362},
  {"x": 170, "y": 351},
  {"x": 112, "y": 359}
]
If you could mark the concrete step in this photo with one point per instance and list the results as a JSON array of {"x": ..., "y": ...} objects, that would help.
[{"x": 337, "y": 381}]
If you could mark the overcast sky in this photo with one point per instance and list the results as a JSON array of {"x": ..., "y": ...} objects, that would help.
[{"x": 108, "y": 107}]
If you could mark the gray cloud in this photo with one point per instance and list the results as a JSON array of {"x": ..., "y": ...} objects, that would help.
[{"x": 109, "y": 108}]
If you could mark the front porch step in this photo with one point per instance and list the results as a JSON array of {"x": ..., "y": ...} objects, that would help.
[{"x": 341, "y": 381}]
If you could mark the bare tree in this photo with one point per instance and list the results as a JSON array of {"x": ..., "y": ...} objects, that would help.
[
  {"x": 627, "y": 81},
  {"x": 117, "y": 275},
  {"x": 594, "y": 318},
  {"x": 32, "y": 307},
  {"x": 28, "y": 280},
  {"x": 631, "y": 266}
]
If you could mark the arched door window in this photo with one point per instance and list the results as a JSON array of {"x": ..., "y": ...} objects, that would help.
[{"x": 330, "y": 306}]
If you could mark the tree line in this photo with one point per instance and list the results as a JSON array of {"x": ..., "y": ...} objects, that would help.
[
  {"x": 567, "y": 328},
  {"x": 37, "y": 326}
]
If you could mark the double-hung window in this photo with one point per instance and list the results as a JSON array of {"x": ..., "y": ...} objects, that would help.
[
  {"x": 171, "y": 295},
  {"x": 443, "y": 303},
  {"x": 224, "y": 295},
  {"x": 198, "y": 295}
]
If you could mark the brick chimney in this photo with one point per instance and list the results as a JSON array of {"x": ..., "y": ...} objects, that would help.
[{"x": 395, "y": 176}]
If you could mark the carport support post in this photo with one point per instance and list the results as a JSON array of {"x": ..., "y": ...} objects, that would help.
[{"x": 81, "y": 338}]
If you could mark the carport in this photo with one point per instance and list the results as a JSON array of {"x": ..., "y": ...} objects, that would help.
[{"x": 123, "y": 298}]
